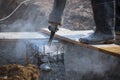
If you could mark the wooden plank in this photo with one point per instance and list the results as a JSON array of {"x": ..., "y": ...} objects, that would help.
[
  {"x": 21, "y": 35},
  {"x": 73, "y": 37}
]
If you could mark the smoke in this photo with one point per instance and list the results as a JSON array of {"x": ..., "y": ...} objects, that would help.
[
  {"x": 34, "y": 18},
  {"x": 30, "y": 17}
]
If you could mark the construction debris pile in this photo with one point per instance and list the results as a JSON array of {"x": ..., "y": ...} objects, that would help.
[{"x": 18, "y": 72}]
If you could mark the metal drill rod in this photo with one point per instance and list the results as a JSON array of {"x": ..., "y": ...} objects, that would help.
[{"x": 51, "y": 37}]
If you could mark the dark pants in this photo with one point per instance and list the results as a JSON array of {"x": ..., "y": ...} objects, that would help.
[
  {"x": 106, "y": 14},
  {"x": 117, "y": 25}
]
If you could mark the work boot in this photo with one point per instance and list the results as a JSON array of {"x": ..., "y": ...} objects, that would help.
[
  {"x": 104, "y": 19},
  {"x": 97, "y": 38}
]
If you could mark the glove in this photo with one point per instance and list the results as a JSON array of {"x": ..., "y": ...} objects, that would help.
[{"x": 53, "y": 27}]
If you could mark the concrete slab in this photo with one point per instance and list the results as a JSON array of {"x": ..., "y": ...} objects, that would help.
[
  {"x": 15, "y": 46},
  {"x": 73, "y": 37},
  {"x": 22, "y": 35},
  {"x": 83, "y": 63}
]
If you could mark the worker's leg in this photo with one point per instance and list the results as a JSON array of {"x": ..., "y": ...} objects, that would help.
[
  {"x": 104, "y": 19},
  {"x": 117, "y": 26},
  {"x": 57, "y": 12}
]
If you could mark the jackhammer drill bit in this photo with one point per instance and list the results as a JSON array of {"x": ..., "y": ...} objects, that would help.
[
  {"x": 51, "y": 37},
  {"x": 53, "y": 29}
]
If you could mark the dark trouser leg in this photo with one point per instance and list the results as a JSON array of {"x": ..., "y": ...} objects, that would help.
[
  {"x": 117, "y": 25},
  {"x": 104, "y": 19},
  {"x": 57, "y": 12}
]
